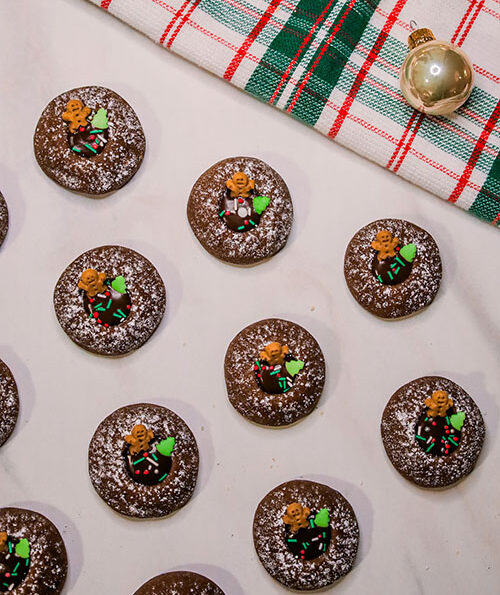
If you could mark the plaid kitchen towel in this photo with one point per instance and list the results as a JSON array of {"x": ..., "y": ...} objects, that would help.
[{"x": 334, "y": 64}]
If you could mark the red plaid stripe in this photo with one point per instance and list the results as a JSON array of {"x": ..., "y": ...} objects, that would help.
[
  {"x": 182, "y": 23},
  {"x": 464, "y": 178},
  {"x": 252, "y": 36},
  {"x": 462, "y": 22},
  {"x": 374, "y": 51},
  {"x": 320, "y": 55},
  {"x": 172, "y": 22},
  {"x": 105, "y": 4},
  {"x": 471, "y": 22},
  {"x": 303, "y": 45},
  {"x": 415, "y": 112}
]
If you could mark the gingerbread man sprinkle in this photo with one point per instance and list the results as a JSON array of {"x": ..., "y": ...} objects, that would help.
[
  {"x": 76, "y": 115},
  {"x": 3, "y": 540},
  {"x": 139, "y": 439},
  {"x": 92, "y": 282},
  {"x": 274, "y": 353},
  {"x": 438, "y": 404},
  {"x": 385, "y": 244},
  {"x": 296, "y": 516},
  {"x": 240, "y": 185}
]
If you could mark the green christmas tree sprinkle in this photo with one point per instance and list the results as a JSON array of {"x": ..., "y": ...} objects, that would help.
[
  {"x": 408, "y": 252},
  {"x": 457, "y": 420},
  {"x": 322, "y": 519},
  {"x": 119, "y": 284},
  {"x": 165, "y": 447},
  {"x": 260, "y": 204},
  {"x": 294, "y": 367},
  {"x": 23, "y": 549},
  {"x": 100, "y": 119}
]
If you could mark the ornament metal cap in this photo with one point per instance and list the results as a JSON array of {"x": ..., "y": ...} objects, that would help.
[{"x": 419, "y": 37}]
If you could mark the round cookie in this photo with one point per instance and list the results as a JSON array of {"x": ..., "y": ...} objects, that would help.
[
  {"x": 143, "y": 461},
  {"x": 180, "y": 582},
  {"x": 32, "y": 554},
  {"x": 305, "y": 534},
  {"x": 4, "y": 219},
  {"x": 9, "y": 403},
  {"x": 275, "y": 372},
  {"x": 89, "y": 140},
  {"x": 392, "y": 268},
  {"x": 110, "y": 300},
  {"x": 432, "y": 432},
  {"x": 241, "y": 211}
]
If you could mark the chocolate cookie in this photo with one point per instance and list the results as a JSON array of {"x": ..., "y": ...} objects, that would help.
[
  {"x": 432, "y": 431},
  {"x": 33, "y": 558},
  {"x": 143, "y": 461},
  {"x": 4, "y": 219},
  {"x": 241, "y": 211},
  {"x": 305, "y": 534},
  {"x": 110, "y": 300},
  {"x": 89, "y": 140},
  {"x": 275, "y": 372},
  {"x": 9, "y": 403},
  {"x": 392, "y": 268},
  {"x": 179, "y": 583}
]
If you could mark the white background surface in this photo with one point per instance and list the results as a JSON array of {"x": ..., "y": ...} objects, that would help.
[{"x": 412, "y": 541}]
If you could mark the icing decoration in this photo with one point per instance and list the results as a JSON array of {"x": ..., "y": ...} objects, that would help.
[
  {"x": 241, "y": 210},
  {"x": 100, "y": 120},
  {"x": 457, "y": 420},
  {"x": 438, "y": 430},
  {"x": 322, "y": 519},
  {"x": 307, "y": 534},
  {"x": 148, "y": 459},
  {"x": 107, "y": 302},
  {"x": 276, "y": 369},
  {"x": 85, "y": 138},
  {"x": 14, "y": 561},
  {"x": 392, "y": 264}
]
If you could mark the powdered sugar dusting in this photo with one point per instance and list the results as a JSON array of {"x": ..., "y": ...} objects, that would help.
[
  {"x": 393, "y": 301},
  {"x": 9, "y": 403},
  {"x": 48, "y": 560},
  {"x": 144, "y": 285},
  {"x": 264, "y": 240},
  {"x": 398, "y": 434},
  {"x": 179, "y": 583},
  {"x": 108, "y": 471},
  {"x": 269, "y": 536},
  {"x": 105, "y": 172},
  {"x": 242, "y": 387}
]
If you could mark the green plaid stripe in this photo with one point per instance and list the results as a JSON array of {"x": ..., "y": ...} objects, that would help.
[
  {"x": 487, "y": 204},
  {"x": 306, "y": 57}
]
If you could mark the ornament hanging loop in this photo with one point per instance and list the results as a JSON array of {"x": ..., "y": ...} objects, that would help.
[{"x": 413, "y": 25}]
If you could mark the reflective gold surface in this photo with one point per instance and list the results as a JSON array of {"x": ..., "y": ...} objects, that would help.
[{"x": 436, "y": 78}]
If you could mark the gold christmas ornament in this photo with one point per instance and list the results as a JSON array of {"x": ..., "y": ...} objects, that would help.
[{"x": 436, "y": 76}]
